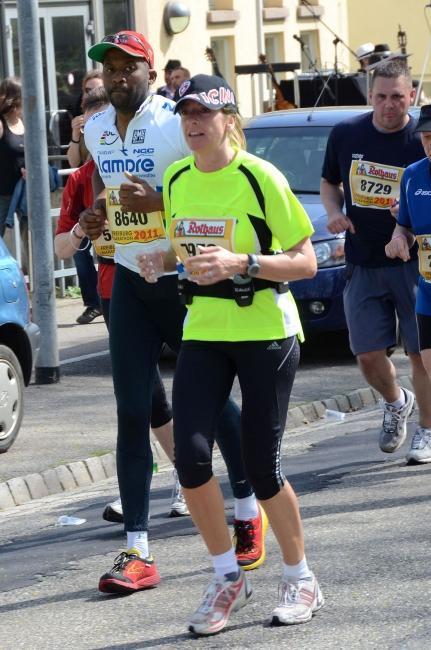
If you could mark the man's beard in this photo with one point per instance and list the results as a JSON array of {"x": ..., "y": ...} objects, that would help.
[{"x": 128, "y": 101}]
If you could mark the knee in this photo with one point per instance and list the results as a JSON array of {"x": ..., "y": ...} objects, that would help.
[
  {"x": 193, "y": 462},
  {"x": 266, "y": 484},
  {"x": 368, "y": 360}
]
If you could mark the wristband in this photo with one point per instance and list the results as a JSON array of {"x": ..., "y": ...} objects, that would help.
[
  {"x": 74, "y": 233},
  {"x": 75, "y": 141}
]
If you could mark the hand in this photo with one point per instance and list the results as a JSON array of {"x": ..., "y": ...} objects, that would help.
[
  {"x": 338, "y": 222},
  {"x": 139, "y": 196},
  {"x": 213, "y": 264},
  {"x": 77, "y": 124},
  {"x": 398, "y": 247},
  {"x": 23, "y": 172},
  {"x": 92, "y": 221},
  {"x": 151, "y": 265}
]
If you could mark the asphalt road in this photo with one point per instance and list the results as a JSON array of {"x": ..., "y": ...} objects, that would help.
[
  {"x": 367, "y": 525},
  {"x": 76, "y": 418}
]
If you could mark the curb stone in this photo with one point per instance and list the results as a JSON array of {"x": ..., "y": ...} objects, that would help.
[{"x": 20, "y": 490}]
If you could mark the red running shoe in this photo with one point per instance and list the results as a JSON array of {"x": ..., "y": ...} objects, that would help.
[
  {"x": 249, "y": 540},
  {"x": 130, "y": 573}
]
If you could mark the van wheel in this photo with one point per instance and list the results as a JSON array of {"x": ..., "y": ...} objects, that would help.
[{"x": 11, "y": 397}]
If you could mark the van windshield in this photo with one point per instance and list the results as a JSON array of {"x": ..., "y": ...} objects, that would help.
[{"x": 298, "y": 152}]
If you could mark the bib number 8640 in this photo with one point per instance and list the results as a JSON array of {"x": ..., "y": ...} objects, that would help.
[{"x": 130, "y": 218}]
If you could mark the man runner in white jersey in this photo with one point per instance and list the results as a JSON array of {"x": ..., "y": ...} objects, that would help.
[{"x": 136, "y": 139}]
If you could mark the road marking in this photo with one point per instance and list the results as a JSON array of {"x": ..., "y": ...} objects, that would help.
[{"x": 83, "y": 357}]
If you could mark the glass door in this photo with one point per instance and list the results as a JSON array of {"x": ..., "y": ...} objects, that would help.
[{"x": 65, "y": 42}]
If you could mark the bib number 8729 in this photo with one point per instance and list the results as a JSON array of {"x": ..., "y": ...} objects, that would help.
[{"x": 375, "y": 188}]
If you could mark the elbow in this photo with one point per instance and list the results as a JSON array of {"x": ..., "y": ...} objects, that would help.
[{"x": 311, "y": 270}]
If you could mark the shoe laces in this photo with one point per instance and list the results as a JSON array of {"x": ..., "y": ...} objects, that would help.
[
  {"x": 289, "y": 592},
  {"x": 391, "y": 418},
  {"x": 244, "y": 535},
  {"x": 211, "y": 594},
  {"x": 121, "y": 560},
  {"x": 421, "y": 438}
]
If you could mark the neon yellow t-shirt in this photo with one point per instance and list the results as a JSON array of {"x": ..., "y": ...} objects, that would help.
[{"x": 217, "y": 207}]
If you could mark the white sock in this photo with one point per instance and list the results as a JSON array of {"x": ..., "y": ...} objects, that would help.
[
  {"x": 225, "y": 563},
  {"x": 400, "y": 401},
  {"x": 139, "y": 540},
  {"x": 296, "y": 571},
  {"x": 246, "y": 508}
]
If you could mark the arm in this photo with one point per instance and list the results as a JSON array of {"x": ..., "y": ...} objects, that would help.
[
  {"x": 333, "y": 200},
  {"x": 92, "y": 220},
  {"x": 400, "y": 244},
  {"x": 67, "y": 243},
  {"x": 74, "y": 152},
  {"x": 215, "y": 264},
  {"x": 139, "y": 196}
]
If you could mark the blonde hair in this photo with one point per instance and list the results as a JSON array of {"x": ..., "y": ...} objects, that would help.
[{"x": 236, "y": 136}]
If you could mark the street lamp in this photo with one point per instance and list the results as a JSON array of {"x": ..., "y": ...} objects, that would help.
[{"x": 176, "y": 17}]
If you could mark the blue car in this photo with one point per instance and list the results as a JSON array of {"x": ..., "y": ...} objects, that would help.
[
  {"x": 295, "y": 142},
  {"x": 19, "y": 345}
]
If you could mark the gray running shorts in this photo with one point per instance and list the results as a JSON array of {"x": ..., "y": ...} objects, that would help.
[{"x": 373, "y": 299}]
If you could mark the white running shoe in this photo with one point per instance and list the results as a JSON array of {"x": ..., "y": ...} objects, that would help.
[
  {"x": 114, "y": 512},
  {"x": 178, "y": 502},
  {"x": 394, "y": 427},
  {"x": 298, "y": 600},
  {"x": 420, "y": 450},
  {"x": 221, "y": 598}
]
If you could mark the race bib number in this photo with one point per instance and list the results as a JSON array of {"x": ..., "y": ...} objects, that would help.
[
  {"x": 187, "y": 234},
  {"x": 132, "y": 227},
  {"x": 373, "y": 185},
  {"x": 424, "y": 251},
  {"x": 103, "y": 245}
]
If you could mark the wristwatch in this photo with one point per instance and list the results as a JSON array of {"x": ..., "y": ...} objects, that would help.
[{"x": 253, "y": 266}]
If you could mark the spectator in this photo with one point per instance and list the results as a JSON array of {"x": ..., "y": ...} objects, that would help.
[
  {"x": 11, "y": 144},
  {"x": 168, "y": 90},
  {"x": 77, "y": 153},
  {"x": 178, "y": 76}
]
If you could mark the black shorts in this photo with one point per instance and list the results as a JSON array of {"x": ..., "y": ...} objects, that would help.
[{"x": 424, "y": 331}]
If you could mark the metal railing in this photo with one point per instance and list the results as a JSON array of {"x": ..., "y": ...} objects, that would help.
[{"x": 66, "y": 267}]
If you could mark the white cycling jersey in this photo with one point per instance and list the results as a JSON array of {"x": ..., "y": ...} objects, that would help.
[{"x": 153, "y": 141}]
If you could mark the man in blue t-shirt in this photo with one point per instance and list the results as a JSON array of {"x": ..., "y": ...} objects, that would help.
[
  {"x": 414, "y": 216},
  {"x": 364, "y": 163}
]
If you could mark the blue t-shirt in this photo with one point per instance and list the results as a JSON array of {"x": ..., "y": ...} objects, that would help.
[
  {"x": 370, "y": 165},
  {"x": 415, "y": 213}
]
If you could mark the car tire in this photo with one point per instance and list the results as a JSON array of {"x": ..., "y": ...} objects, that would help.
[{"x": 11, "y": 397}]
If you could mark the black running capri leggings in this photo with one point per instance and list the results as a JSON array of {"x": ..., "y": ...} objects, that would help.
[
  {"x": 424, "y": 331},
  {"x": 203, "y": 381}
]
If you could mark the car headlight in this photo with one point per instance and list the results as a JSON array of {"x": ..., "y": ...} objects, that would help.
[{"x": 330, "y": 253}]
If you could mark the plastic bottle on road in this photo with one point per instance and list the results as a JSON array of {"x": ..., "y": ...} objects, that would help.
[
  {"x": 65, "y": 520},
  {"x": 335, "y": 416}
]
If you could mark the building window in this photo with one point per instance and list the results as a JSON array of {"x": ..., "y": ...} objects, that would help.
[
  {"x": 223, "y": 50},
  {"x": 310, "y": 54},
  {"x": 116, "y": 15}
]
